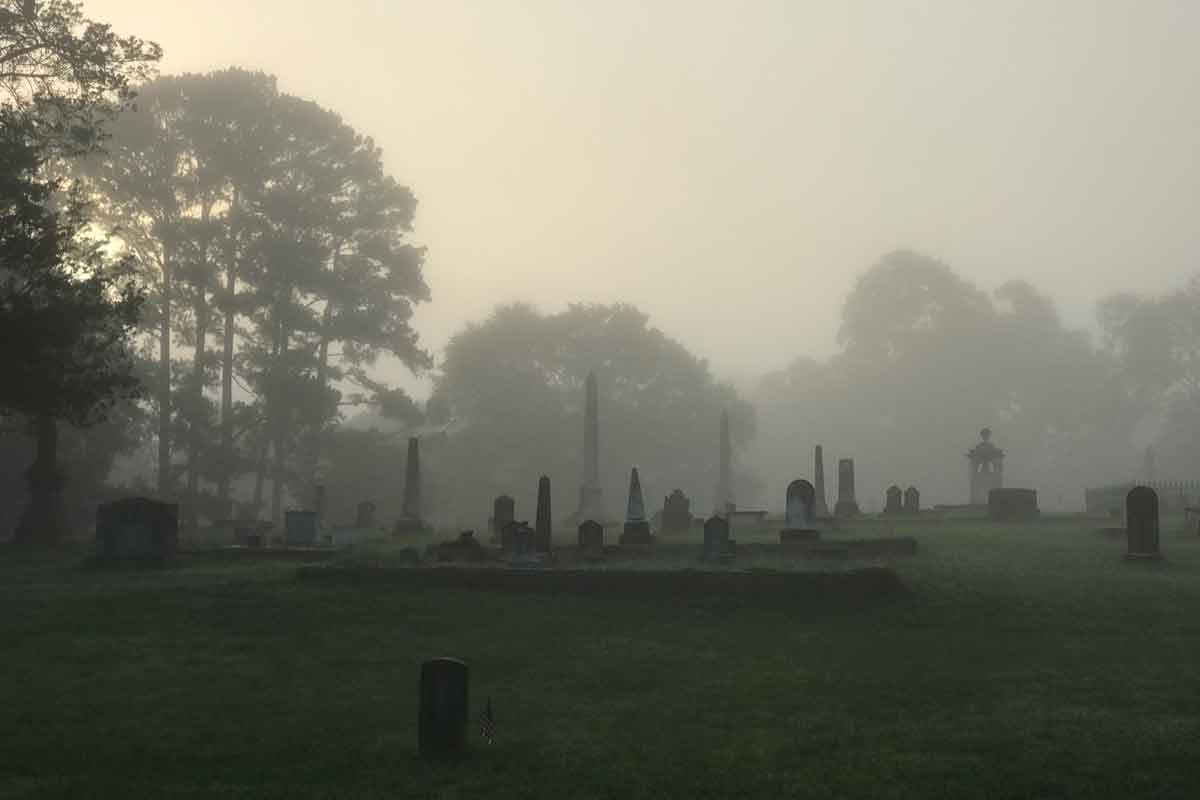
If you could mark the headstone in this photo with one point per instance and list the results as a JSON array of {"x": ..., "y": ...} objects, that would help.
[
  {"x": 912, "y": 500},
  {"x": 821, "y": 510},
  {"x": 846, "y": 506},
  {"x": 522, "y": 540},
  {"x": 1141, "y": 523},
  {"x": 986, "y": 463},
  {"x": 442, "y": 719},
  {"x": 502, "y": 515},
  {"x": 410, "y": 516},
  {"x": 364, "y": 515},
  {"x": 677, "y": 514},
  {"x": 137, "y": 528},
  {"x": 464, "y": 548},
  {"x": 300, "y": 528},
  {"x": 591, "y": 539},
  {"x": 717, "y": 544},
  {"x": 724, "y": 493},
  {"x": 801, "y": 503},
  {"x": 591, "y": 495},
  {"x": 542, "y": 524},
  {"x": 637, "y": 527},
  {"x": 895, "y": 500},
  {"x": 1012, "y": 505}
]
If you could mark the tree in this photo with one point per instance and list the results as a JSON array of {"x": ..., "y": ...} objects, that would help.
[{"x": 510, "y": 396}]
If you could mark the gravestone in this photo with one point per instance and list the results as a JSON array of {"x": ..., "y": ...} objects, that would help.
[
  {"x": 464, "y": 548},
  {"x": 821, "y": 509},
  {"x": 1012, "y": 505},
  {"x": 442, "y": 719},
  {"x": 717, "y": 544},
  {"x": 637, "y": 527},
  {"x": 800, "y": 510},
  {"x": 912, "y": 500},
  {"x": 300, "y": 528},
  {"x": 846, "y": 506},
  {"x": 677, "y": 514},
  {"x": 1141, "y": 523},
  {"x": 137, "y": 529},
  {"x": 364, "y": 515},
  {"x": 410, "y": 515},
  {"x": 541, "y": 529},
  {"x": 895, "y": 500},
  {"x": 502, "y": 514},
  {"x": 591, "y": 539},
  {"x": 521, "y": 543}
]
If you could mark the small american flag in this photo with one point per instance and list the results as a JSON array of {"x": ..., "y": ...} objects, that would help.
[{"x": 487, "y": 724}]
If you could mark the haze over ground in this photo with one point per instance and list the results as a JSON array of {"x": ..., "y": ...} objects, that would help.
[{"x": 730, "y": 170}]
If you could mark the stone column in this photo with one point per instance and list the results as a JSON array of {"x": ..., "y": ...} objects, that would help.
[
  {"x": 820, "y": 510},
  {"x": 846, "y": 504},
  {"x": 724, "y": 494},
  {"x": 591, "y": 495}
]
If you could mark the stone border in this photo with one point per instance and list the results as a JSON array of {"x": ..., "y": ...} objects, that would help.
[{"x": 855, "y": 586}]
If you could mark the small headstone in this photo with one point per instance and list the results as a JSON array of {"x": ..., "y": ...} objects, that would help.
[
  {"x": 591, "y": 539},
  {"x": 300, "y": 528},
  {"x": 364, "y": 515},
  {"x": 895, "y": 500},
  {"x": 717, "y": 544},
  {"x": 637, "y": 527},
  {"x": 137, "y": 528},
  {"x": 912, "y": 500},
  {"x": 800, "y": 511},
  {"x": 1141, "y": 523},
  {"x": 442, "y": 719},
  {"x": 677, "y": 514},
  {"x": 502, "y": 514},
  {"x": 542, "y": 524},
  {"x": 1012, "y": 505}
]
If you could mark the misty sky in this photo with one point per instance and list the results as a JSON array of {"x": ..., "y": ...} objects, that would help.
[{"x": 731, "y": 167}]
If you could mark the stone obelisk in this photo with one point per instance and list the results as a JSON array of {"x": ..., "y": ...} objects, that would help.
[
  {"x": 637, "y": 528},
  {"x": 542, "y": 525},
  {"x": 724, "y": 495},
  {"x": 821, "y": 510},
  {"x": 410, "y": 515},
  {"x": 591, "y": 496}
]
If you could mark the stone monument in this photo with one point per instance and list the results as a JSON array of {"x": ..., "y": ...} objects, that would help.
[
  {"x": 895, "y": 500},
  {"x": 1141, "y": 524},
  {"x": 799, "y": 515},
  {"x": 986, "y": 462},
  {"x": 503, "y": 509},
  {"x": 542, "y": 524},
  {"x": 912, "y": 500},
  {"x": 591, "y": 495},
  {"x": 677, "y": 514},
  {"x": 410, "y": 517},
  {"x": 442, "y": 719},
  {"x": 846, "y": 506},
  {"x": 637, "y": 527},
  {"x": 821, "y": 510}
]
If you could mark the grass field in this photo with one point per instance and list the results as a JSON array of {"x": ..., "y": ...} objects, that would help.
[{"x": 1025, "y": 662}]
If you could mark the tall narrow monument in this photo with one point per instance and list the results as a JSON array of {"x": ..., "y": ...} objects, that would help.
[
  {"x": 542, "y": 524},
  {"x": 591, "y": 496},
  {"x": 820, "y": 510},
  {"x": 410, "y": 516},
  {"x": 846, "y": 506},
  {"x": 637, "y": 528},
  {"x": 986, "y": 468},
  {"x": 724, "y": 494}
]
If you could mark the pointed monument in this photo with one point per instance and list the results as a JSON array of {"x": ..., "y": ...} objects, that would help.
[
  {"x": 591, "y": 496},
  {"x": 541, "y": 527},
  {"x": 724, "y": 495},
  {"x": 410, "y": 518},
  {"x": 637, "y": 528},
  {"x": 820, "y": 510}
]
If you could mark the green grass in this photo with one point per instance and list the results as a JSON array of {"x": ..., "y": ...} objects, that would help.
[{"x": 1026, "y": 662}]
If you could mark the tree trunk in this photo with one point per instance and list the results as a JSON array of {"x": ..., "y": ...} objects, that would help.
[
  {"x": 225, "y": 473},
  {"x": 42, "y": 521},
  {"x": 316, "y": 431},
  {"x": 195, "y": 433},
  {"x": 164, "y": 383},
  {"x": 279, "y": 416}
]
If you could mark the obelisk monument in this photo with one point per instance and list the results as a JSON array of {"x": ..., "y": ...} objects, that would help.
[
  {"x": 591, "y": 495},
  {"x": 724, "y": 495}
]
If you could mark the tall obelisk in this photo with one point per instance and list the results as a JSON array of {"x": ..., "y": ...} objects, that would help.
[
  {"x": 591, "y": 495},
  {"x": 821, "y": 511},
  {"x": 724, "y": 494}
]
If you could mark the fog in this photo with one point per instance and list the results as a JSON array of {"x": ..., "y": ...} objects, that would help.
[{"x": 730, "y": 169}]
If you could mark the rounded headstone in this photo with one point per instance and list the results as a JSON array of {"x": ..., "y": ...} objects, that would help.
[{"x": 442, "y": 719}]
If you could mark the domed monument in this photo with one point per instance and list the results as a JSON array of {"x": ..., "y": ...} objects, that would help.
[{"x": 987, "y": 468}]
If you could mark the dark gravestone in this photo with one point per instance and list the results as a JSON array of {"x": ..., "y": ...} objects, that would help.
[
  {"x": 300, "y": 528},
  {"x": 591, "y": 539},
  {"x": 895, "y": 500},
  {"x": 717, "y": 544},
  {"x": 410, "y": 514},
  {"x": 637, "y": 527},
  {"x": 442, "y": 720},
  {"x": 542, "y": 524},
  {"x": 502, "y": 514},
  {"x": 137, "y": 529},
  {"x": 1141, "y": 523},
  {"x": 800, "y": 509},
  {"x": 364, "y": 515},
  {"x": 912, "y": 500},
  {"x": 846, "y": 506},
  {"x": 522, "y": 539},
  {"x": 677, "y": 515},
  {"x": 1012, "y": 505}
]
